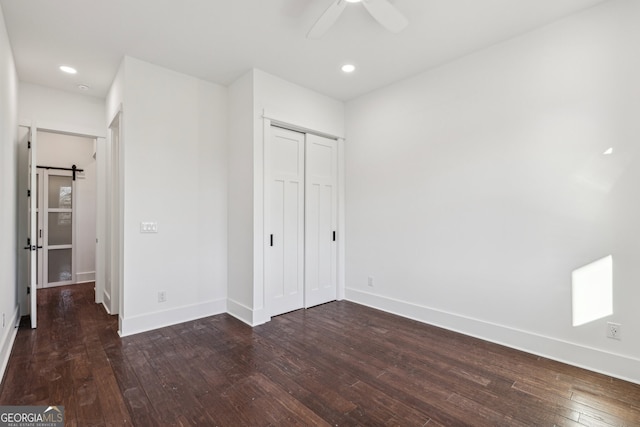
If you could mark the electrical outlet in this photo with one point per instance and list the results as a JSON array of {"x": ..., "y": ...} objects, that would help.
[
  {"x": 3, "y": 320},
  {"x": 614, "y": 330},
  {"x": 370, "y": 281},
  {"x": 162, "y": 296}
]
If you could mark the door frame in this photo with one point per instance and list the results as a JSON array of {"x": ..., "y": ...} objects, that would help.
[
  {"x": 99, "y": 135},
  {"x": 110, "y": 215}
]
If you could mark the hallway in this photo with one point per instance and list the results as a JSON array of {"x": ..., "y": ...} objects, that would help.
[{"x": 67, "y": 359}]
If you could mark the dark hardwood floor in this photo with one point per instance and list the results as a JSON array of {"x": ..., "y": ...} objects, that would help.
[{"x": 339, "y": 364}]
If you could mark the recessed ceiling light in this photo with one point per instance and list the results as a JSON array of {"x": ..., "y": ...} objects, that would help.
[
  {"x": 83, "y": 88},
  {"x": 68, "y": 69},
  {"x": 348, "y": 68},
  {"x": 609, "y": 151},
  {"x": 354, "y": 1}
]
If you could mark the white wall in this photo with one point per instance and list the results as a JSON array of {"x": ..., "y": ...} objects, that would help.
[
  {"x": 57, "y": 110},
  {"x": 295, "y": 105},
  {"x": 475, "y": 189},
  {"x": 8, "y": 208},
  {"x": 61, "y": 150},
  {"x": 240, "y": 198},
  {"x": 115, "y": 97},
  {"x": 175, "y": 174},
  {"x": 287, "y": 103}
]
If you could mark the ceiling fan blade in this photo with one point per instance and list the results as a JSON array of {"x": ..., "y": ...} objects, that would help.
[
  {"x": 328, "y": 18},
  {"x": 386, "y": 14}
]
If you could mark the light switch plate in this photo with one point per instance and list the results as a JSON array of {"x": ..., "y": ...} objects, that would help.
[{"x": 148, "y": 227}]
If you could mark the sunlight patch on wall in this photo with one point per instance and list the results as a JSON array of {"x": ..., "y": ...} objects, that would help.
[{"x": 592, "y": 291}]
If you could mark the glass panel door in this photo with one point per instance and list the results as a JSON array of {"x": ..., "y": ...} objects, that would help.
[{"x": 59, "y": 228}]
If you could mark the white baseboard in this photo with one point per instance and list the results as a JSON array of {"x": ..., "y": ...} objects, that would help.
[
  {"x": 106, "y": 301},
  {"x": 260, "y": 317},
  {"x": 615, "y": 365},
  {"x": 240, "y": 311},
  {"x": 86, "y": 276},
  {"x": 106, "y": 308},
  {"x": 10, "y": 331},
  {"x": 159, "y": 319},
  {"x": 245, "y": 314}
]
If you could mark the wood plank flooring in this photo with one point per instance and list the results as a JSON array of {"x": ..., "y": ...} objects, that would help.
[{"x": 339, "y": 364}]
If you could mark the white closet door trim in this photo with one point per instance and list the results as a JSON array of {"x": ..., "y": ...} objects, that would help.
[{"x": 279, "y": 121}]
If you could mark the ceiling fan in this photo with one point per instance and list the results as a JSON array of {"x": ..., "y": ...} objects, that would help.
[{"x": 381, "y": 10}]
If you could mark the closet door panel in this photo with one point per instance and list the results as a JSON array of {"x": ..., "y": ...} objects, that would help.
[
  {"x": 320, "y": 220},
  {"x": 293, "y": 242},
  {"x": 284, "y": 267},
  {"x": 276, "y": 279},
  {"x": 312, "y": 238}
]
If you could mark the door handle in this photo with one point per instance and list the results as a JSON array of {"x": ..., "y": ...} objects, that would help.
[
  {"x": 29, "y": 247},
  {"x": 334, "y": 236},
  {"x": 271, "y": 240}
]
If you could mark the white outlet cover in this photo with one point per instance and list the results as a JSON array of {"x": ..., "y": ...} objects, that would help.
[{"x": 614, "y": 330}]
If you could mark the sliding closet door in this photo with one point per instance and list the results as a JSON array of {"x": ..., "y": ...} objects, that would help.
[
  {"x": 321, "y": 203},
  {"x": 284, "y": 266}
]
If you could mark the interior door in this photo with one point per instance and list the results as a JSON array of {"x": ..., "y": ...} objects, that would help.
[
  {"x": 58, "y": 228},
  {"x": 32, "y": 237},
  {"x": 321, "y": 211},
  {"x": 40, "y": 227},
  {"x": 284, "y": 267}
]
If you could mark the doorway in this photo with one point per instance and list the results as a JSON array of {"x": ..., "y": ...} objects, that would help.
[
  {"x": 63, "y": 236},
  {"x": 66, "y": 208}
]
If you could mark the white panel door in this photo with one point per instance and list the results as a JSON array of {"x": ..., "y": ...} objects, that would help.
[
  {"x": 284, "y": 266},
  {"x": 321, "y": 200},
  {"x": 32, "y": 240}
]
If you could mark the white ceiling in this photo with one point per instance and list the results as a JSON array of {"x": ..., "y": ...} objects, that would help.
[{"x": 219, "y": 40}]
